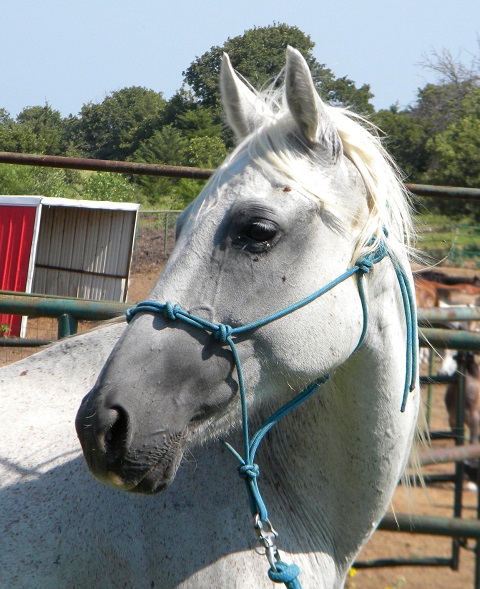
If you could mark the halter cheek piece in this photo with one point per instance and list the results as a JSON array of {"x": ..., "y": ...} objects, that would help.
[{"x": 279, "y": 571}]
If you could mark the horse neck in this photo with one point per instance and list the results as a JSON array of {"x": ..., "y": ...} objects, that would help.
[{"x": 347, "y": 446}]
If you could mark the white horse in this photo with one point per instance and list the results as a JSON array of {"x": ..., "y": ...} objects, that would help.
[{"x": 307, "y": 203}]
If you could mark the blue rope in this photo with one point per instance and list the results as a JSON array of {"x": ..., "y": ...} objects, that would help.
[
  {"x": 280, "y": 572},
  {"x": 285, "y": 573},
  {"x": 410, "y": 309}
]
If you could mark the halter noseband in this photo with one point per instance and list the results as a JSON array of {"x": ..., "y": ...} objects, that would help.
[{"x": 279, "y": 571}]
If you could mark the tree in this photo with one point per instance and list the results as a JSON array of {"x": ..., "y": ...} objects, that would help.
[
  {"x": 343, "y": 92},
  {"x": 170, "y": 145},
  {"x": 37, "y": 129},
  {"x": 166, "y": 146},
  {"x": 453, "y": 70},
  {"x": 405, "y": 138},
  {"x": 180, "y": 103},
  {"x": 109, "y": 187},
  {"x": 114, "y": 128},
  {"x": 451, "y": 109},
  {"x": 435, "y": 141},
  {"x": 259, "y": 55},
  {"x": 34, "y": 180},
  {"x": 455, "y": 152},
  {"x": 198, "y": 121},
  {"x": 5, "y": 117},
  {"x": 6, "y": 122},
  {"x": 440, "y": 104},
  {"x": 205, "y": 152}
]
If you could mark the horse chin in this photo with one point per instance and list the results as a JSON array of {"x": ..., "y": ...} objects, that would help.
[
  {"x": 153, "y": 480},
  {"x": 150, "y": 474},
  {"x": 156, "y": 479},
  {"x": 158, "y": 475}
]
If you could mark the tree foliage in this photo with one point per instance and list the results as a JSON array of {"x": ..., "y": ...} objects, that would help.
[
  {"x": 39, "y": 181},
  {"x": 115, "y": 127},
  {"x": 455, "y": 151},
  {"x": 37, "y": 129},
  {"x": 109, "y": 187},
  {"x": 405, "y": 138},
  {"x": 259, "y": 55},
  {"x": 436, "y": 141}
]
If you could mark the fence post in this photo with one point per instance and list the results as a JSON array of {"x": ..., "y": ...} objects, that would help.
[
  {"x": 67, "y": 325},
  {"x": 459, "y": 433}
]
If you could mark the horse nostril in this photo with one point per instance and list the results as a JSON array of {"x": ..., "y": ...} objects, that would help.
[
  {"x": 116, "y": 432},
  {"x": 203, "y": 413}
]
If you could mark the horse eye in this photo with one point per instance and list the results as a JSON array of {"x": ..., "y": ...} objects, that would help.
[{"x": 261, "y": 231}]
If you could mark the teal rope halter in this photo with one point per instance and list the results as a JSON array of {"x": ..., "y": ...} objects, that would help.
[{"x": 279, "y": 571}]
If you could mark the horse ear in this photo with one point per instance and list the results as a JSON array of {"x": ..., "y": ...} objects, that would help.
[
  {"x": 307, "y": 108},
  {"x": 242, "y": 106}
]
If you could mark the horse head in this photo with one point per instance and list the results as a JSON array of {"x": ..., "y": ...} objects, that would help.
[{"x": 256, "y": 239}]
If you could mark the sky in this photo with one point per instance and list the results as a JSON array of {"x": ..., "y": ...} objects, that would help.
[{"x": 71, "y": 52}]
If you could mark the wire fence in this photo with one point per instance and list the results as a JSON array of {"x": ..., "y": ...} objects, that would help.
[
  {"x": 450, "y": 245},
  {"x": 155, "y": 236}
]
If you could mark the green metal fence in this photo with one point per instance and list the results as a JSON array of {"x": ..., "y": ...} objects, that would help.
[{"x": 67, "y": 312}]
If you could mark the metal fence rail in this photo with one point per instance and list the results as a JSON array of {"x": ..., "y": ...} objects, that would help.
[
  {"x": 95, "y": 165},
  {"x": 34, "y": 305},
  {"x": 67, "y": 311},
  {"x": 51, "y": 161}
]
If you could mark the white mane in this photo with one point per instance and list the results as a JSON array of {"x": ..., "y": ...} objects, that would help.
[{"x": 271, "y": 147}]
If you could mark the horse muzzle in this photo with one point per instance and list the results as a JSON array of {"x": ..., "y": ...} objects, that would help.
[
  {"x": 149, "y": 403},
  {"x": 118, "y": 456}
]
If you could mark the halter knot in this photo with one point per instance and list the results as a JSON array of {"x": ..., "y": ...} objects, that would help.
[
  {"x": 223, "y": 332},
  {"x": 285, "y": 573},
  {"x": 364, "y": 265},
  {"x": 249, "y": 471},
  {"x": 170, "y": 310}
]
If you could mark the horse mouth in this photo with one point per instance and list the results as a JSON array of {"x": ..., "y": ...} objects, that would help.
[
  {"x": 155, "y": 480},
  {"x": 149, "y": 471}
]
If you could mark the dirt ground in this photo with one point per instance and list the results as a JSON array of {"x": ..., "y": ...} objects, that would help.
[{"x": 435, "y": 500}]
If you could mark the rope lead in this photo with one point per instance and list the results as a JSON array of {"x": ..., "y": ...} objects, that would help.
[{"x": 285, "y": 573}]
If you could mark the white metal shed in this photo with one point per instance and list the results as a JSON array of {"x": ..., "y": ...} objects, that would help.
[
  {"x": 75, "y": 248},
  {"x": 84, "y": 249}
]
